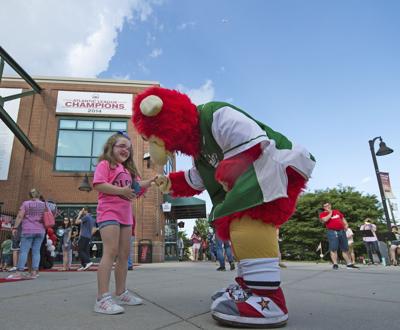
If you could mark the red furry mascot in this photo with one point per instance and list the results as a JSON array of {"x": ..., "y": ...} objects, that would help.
[{"x": 253, "y": 176}]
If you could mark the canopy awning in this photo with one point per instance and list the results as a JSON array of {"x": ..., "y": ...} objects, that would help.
[{"x": 186, "y": 207}]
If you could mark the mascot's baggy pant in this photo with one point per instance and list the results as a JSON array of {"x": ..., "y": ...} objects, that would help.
[{"x": 259, "y": 300}]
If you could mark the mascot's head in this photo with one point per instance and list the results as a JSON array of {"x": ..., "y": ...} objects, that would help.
[{"x": 168, "y": 120}]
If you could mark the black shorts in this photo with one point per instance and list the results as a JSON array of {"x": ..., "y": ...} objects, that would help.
[{"x": 15, "y": 243}]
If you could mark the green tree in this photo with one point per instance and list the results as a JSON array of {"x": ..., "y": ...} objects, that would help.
[
  {"x": 202, "y": 226},
  {"x": 302, "y": 234}
]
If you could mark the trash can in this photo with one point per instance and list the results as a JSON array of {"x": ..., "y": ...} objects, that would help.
[{"x": 145, "y": 252}]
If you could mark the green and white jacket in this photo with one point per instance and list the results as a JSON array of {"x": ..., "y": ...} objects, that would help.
[{"x": 227, "y": 131}]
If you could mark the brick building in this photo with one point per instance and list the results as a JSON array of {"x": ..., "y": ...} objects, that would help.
[{"x": 67, "y": 123}]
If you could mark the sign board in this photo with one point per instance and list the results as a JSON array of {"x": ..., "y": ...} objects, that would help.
[
  {"x": 166, "y": 207},
  {"x": 387, "y": 188},
  {"x": 6, "y": 136},
  {"x": 93, "y": 103}
]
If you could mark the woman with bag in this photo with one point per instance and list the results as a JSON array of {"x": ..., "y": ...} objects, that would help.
[{"x": 30, "y": 217}]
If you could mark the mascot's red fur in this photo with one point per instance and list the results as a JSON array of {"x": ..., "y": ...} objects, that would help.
[{"x": 254, "y": 176}]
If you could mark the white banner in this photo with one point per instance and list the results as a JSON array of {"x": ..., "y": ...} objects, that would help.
[
  {"x": 6, "y": 136},
  {"x": 387, "y": 188},
  {"x": 93, "y": 103}
]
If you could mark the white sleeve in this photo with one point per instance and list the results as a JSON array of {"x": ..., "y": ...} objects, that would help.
[
  {"x": 235, "y": 132},
  {"x": 193, "y": 179}
]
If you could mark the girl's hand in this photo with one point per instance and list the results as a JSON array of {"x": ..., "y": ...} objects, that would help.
[
  {"x": 127, "y": 192},
  {"x": 163, "y": 183}
]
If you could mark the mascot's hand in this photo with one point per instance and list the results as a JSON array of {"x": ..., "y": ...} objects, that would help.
[{"x": 163, "y": 183}]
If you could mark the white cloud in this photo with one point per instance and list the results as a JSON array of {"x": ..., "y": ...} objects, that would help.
[
  {"x": 366, "y": 180},
  {"x": 203, "y": 94},
  {"x": 143, "y": 68},
  {"x": 150, "y": 38},
  {"x": 156, "y": 53},
  {"x": 67, "y": 38},
  {"x": 185, "y": 25},
  {"x": 121, "y": 77}
]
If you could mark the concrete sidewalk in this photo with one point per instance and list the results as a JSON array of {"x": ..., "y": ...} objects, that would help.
[{"x": 177, "y": 296}]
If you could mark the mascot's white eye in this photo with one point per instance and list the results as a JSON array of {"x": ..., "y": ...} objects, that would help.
[{"x": 151, "y": 105}]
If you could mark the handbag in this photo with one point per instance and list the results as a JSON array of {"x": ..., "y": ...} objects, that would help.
[{"x": 48, "y": 218}]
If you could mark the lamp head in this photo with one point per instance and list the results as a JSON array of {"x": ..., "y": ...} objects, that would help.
[
  {"x": 383, "y": 149},
  {"x": 85, "y": 185}
]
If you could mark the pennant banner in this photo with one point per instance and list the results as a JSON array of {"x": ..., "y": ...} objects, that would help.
[{"x": 387, "y": 188}]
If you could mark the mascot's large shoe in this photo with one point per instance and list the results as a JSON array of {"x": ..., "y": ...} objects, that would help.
[
  {"x": 253, "y": 175},
  {"x": 242, "y": 308}
]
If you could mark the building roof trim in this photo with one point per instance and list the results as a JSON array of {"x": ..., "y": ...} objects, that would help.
[{"x": 84, "y": 81}]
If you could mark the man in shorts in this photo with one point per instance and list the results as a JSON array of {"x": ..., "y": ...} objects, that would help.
[{"x": 335, "y": 224}]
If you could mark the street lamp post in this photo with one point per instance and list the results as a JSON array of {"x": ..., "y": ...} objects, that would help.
[
  {"x": 85, "y": 185},
  {"x": 383, "y": 150}
]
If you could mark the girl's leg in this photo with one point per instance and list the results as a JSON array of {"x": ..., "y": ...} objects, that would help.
[
  {"x": 110, "y": 237},
  {"x": 69, "y": 258},
  {"x": 121, "y": 267},
  {"x": 393, "y": 255},
  {"x": 65, "y": 259},
  {"x": 15, "y": 258}
]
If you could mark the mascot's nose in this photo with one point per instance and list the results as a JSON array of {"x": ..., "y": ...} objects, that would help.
[{"x": 151, "y": 105}]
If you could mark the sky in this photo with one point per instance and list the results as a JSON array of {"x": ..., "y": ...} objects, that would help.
[{"x": 324, "y": 73}]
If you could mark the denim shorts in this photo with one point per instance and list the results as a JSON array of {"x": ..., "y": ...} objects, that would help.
[
  {"x": 337, "y": 240},
  {"x": 111, "y": 223},
  {"x": 7, "y": 259}
]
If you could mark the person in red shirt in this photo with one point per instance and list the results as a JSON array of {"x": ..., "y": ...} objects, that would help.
[{"x": 335, "y": 223}]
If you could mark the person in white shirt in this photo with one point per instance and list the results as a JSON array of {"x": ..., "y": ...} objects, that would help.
[
  {"x": 350, "y": 241},
  {"x": 395, "y": 246},
  {"x": 371, "y": 242}
]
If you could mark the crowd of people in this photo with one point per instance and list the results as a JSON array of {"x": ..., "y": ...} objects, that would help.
[
  {"x": 114, "y": 177},
  {"x": 209, "y": 247},
  {"x": 341, "y": 238},
  {"x": 30, "y": 246}
]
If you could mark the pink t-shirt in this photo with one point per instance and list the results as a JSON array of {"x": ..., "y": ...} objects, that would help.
[
  {"x": 33, "y": 218},
  {"x": 113, "y": 207}
]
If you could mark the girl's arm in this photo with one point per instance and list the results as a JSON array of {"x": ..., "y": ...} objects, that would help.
[
  {"x": 146, "y": 183},
  {"x": 108, "y": 188},
  {"x": 143, "y": 185}
]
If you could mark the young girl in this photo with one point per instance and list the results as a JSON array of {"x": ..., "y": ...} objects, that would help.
[
  {"x": 66, "y": 244},
  {"x": 113, "y": 179},
  {"x": 196, "y": 240}
]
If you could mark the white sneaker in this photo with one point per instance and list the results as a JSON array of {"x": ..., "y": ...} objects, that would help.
[
  {"x": 13, "y": 269},
  {"x": 107, "y": 305},
  {"x": 88, "y": 265},
  {"x": 128, "y": 298},
  {"x": 80, "y": 269}
]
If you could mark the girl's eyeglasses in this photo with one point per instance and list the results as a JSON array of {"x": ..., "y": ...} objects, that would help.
[{"x": 123, "y": 146}]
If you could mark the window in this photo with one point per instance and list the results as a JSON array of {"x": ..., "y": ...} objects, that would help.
[
  {"x": 80, "y": 142},
  {"x": 168, "y": 167}
]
